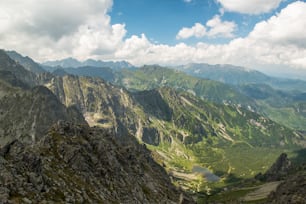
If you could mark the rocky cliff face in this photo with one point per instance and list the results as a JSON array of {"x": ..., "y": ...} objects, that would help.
[
  {"x": 146, "y": 113},
  {"x": 101, "y": 103},
  {"x": 292, "y": 190},
  {"x": 13, "y": 73},
  {"x": 28, "y": 114},
  {"x": 74, "y": 163}
]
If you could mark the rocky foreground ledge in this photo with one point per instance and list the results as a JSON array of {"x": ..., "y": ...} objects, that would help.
[{"x": 78, "y": 164}]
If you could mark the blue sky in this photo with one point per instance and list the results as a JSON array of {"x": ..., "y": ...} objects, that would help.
[
  {"x": 161, "y": 20},
  {"x": 257, "y": 34}
]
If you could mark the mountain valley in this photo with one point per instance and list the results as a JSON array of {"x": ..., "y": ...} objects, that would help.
[{"x": 207, "y": 135}]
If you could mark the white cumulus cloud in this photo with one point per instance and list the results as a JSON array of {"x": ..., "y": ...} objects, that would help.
[
  {"x": 287, "y": 27},
  {"x": 42, "y": 30},
  {"x": 249, "y": 6},
  {"x": 278, "y": 42},
  {"x": 219, "y": 28},
  {"x": 52, "y": 29},
  {"x": 215, "y": 27},
  {"x": 198, "y": 30}
]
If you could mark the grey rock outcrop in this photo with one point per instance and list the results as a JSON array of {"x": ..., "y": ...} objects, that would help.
[
  {"x": 278, "y": 171},
  {"x": 74, "y": 163},
  {"x": 292, "y": 190},
  {"x": 27, "y": 115}
]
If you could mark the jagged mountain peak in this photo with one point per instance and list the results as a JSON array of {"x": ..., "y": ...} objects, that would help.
[
  {"x": 15, "y": 74},
  {"x": 28, "y": 63}
]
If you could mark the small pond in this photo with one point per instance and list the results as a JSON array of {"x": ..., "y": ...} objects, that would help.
[{"x": 209, "y": 176}]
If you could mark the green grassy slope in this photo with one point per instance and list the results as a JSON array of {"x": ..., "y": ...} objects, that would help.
[
  {"x": 231, "y": 142},
  {"x": 285, "y": 107},
  {"x": 280, "y": 106}
]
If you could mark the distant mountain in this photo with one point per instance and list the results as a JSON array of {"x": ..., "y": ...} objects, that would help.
[
  {"x": 26, "y": 62},
  {"x": 105, "y": 73},
  {"x": 114, "y": 65},
  {"x": 285, "y": 107},
  {"x": 282, "y": 100},
  {"x": 73, "y": 63},
  {"x": 59, "y": 72},
  {"x": 151, "y": 77},
  {"x": 234, "y": 75},
  {"x": 285, "y": 72},
  {"x": 68, "y": 62},
  {"x": 228, "y": 74}
]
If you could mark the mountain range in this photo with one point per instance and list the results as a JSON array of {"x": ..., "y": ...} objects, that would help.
[
  {"x": 204, "y": 134},
  {"x": 73, "y": 63},
  {"x": 48, "y": 153},
  {"x": 282, "y": 100},
  {"x": 234, "y": 75}
]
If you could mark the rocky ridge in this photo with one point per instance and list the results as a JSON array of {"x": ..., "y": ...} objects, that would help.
[
  {"x": 278, "y": 171},
  {"x": 74, "y": 163},
  {"x": 25, "y": 62},
  {"x": 292, "y": 179},
  {"x": 292, "y": 190}
]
